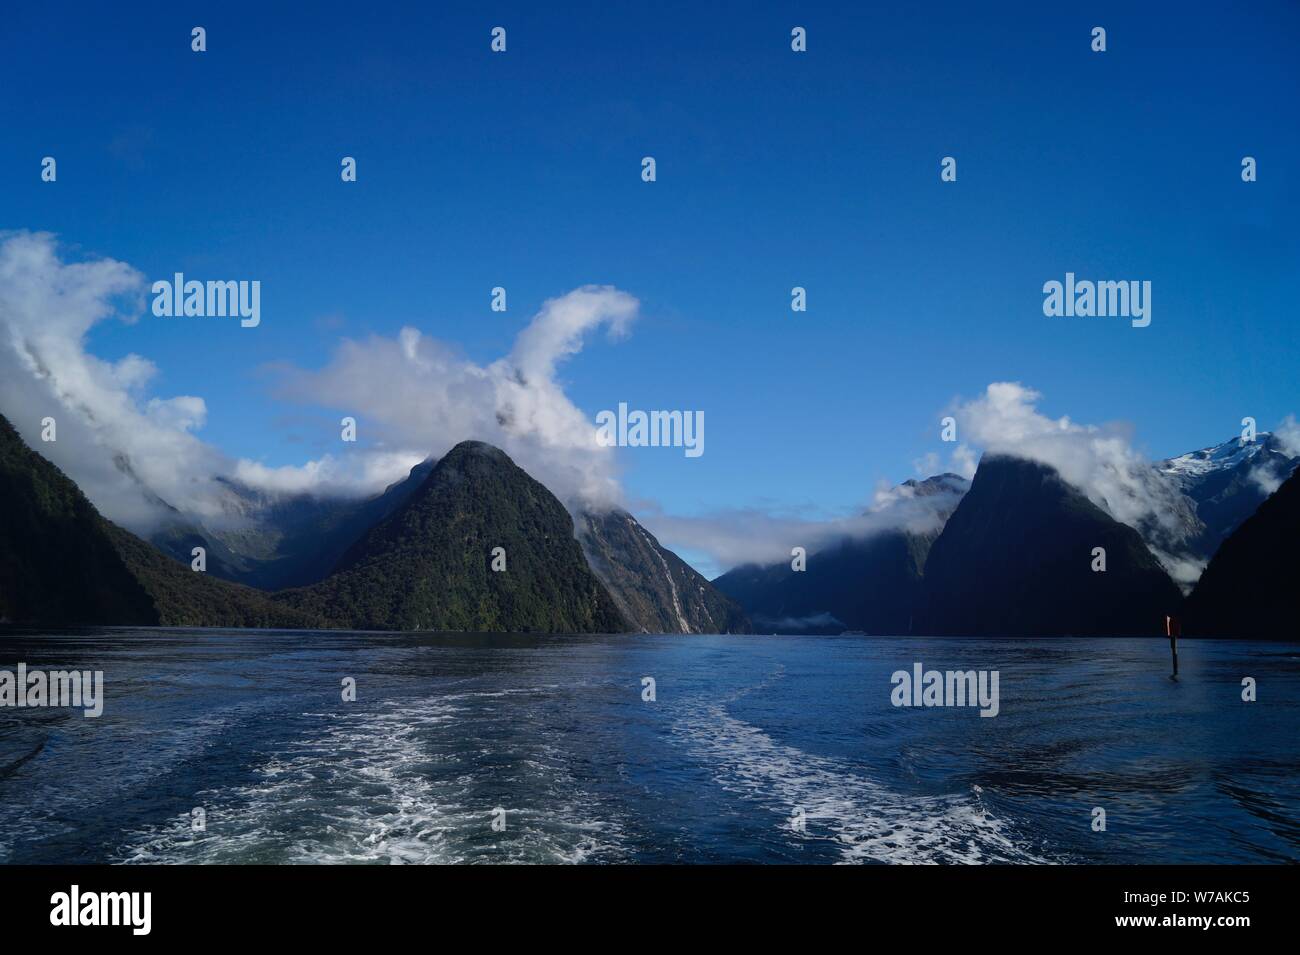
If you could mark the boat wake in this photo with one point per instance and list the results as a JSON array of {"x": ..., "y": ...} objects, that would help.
[
  {"x": 866, "y": 821},
  {"x": 407, "y": 781}
]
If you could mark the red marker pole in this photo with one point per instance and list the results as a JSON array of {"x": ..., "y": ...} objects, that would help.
[{"x": 1171, "y": 629}]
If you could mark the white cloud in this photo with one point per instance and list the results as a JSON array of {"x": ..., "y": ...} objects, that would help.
[
  {"x": 1288, "y": 436},
  {"x": 185, "y": 413},
  {"x": 419, "y": 393},
  {"x": 1272, "y": 472},
  {"x": 412, "y": 394},
  {"x": 926, "y": 464},
  {"x": 110, "y": 440},
  {"x": 329, "y": 476}
]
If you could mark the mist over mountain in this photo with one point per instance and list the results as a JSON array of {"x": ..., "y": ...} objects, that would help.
[
  {"x": 417, "y": 556},
  {"x": 1227, "y": 482},
  {"x": 139, "y": 457},
  {"x": 58, "y": 561},
  {"x": 61, "y": 562},
  {"x": 869, "y": 584},
  {"x": 296, "y": 540},
  {"x": 1100, "y": 460},
  {"x": 1011, "y": 556},
  {"x": 274, "y": 540}
]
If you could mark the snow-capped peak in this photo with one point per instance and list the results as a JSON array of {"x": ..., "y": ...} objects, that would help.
[{"x": 1221, "y": 457}]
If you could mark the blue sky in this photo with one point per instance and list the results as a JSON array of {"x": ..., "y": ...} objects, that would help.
[{"x": 775, "y": 169}]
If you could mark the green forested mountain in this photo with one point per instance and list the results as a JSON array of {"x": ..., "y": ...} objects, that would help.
[
  {"x": 61, "y": 562},
  {"x": 428, "y": 565}
]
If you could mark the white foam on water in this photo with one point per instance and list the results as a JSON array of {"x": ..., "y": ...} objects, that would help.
[
  {"x": 379, "y": 786},
  {"x": 351, "y": 793},
  {"x": 868, "y": 821}
]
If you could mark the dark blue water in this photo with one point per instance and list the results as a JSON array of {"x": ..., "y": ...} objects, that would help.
[{"x": 745, "y": 731}]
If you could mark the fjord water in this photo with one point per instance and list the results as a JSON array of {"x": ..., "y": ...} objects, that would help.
[{"x": 251, "y": 727}]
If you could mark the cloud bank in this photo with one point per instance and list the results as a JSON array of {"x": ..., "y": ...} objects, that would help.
[
  {"x": 114, "y": 442},
  {"x": 135, "y": 454},
  {"x": 739, "y": 536}
]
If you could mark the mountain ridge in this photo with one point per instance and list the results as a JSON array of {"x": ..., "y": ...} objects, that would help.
[
  {"x": 1227, "y": 483},
  {"x": 1002, "y": 561}
]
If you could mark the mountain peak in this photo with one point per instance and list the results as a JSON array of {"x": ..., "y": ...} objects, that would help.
[
  {"x": 944, "y": 483},
  {"x": 1229, "y": 454},
  {"x": 1017, "y": 559},
  {"x": 474, "y": 448},
  {"x": 1227, "y": 482},
  {"x": 479, "y": 546}
]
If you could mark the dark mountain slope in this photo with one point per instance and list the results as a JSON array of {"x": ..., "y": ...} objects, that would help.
[
  {"x": 1250, "y": 587},
  {"x": 275, "y": 541},
  {"x": 1015, "y": 559},
  {"x": 428, "y": 565},
  {"x": 62, "y": 563},
  {"x": 655, "y": 589},
  {"x": 866, "y": 584},
  {"x": 58, "y": 563}
]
